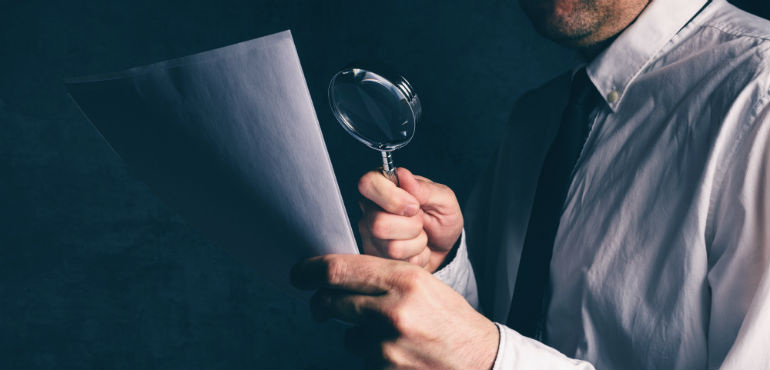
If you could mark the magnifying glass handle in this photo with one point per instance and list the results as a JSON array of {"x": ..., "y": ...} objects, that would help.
[{"x": 388, "y": 170}]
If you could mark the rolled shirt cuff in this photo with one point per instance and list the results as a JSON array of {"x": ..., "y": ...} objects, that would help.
[
  {"x": 458, "y": 274},
  {"x": 516, "y": 351}
]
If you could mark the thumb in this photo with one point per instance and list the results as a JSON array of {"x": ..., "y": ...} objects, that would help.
[{"x": 419, "y": 189}]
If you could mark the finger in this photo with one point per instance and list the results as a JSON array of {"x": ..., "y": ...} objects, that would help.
[
  {"x": 412, "y": 185},
  {"x": 431, "y": 196},
  {"x": 353, "y": 272},
  {"x": 402, "y": 250},
  {"x": 384, "y": 225},
  {"x": 367, "y": 241},
  {"x": 423, "y": 179},
  {"x": 387, "y": 195},
  {"x": 369, "y": 244},
  {"x": 422, "y": 259},
  {"x": 350, "y": 307}
]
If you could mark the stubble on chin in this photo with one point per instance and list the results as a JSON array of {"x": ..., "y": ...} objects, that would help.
[
  {"x": 568, "y": 22},
  {"x": 583, "y": 24}
]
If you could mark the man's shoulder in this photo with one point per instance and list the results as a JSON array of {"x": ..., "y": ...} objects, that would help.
[
  {"x": 738, "y": 35},
  {"x": 725, "y": 50},
  {"x": 733, "y": 21},
  {"x": 721, "y": 33},
  {"x": 744, "y": 42}
]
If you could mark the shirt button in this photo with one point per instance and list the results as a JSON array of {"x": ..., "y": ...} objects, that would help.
[{"x": 612, "y": 96}]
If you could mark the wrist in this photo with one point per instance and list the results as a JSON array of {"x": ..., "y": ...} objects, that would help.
[{"x": 488, "y": 346}]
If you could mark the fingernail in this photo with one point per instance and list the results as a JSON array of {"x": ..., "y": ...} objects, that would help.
[{"x": 411, "y": 209}]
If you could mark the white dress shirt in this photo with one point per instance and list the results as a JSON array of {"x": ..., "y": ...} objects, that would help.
[{"x": 662, "y": 256}]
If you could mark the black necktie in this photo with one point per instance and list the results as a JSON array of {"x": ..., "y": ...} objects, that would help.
[{"x": 527, "y": 307}]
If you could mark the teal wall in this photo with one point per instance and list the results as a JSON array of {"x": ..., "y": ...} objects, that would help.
[{"x": 95, "y": 272}]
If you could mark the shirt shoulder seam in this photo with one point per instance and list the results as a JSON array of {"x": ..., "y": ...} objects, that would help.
[{"x": 736, "y": 32}]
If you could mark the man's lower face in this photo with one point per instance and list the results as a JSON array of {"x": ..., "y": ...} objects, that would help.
[{"x": 566, "y": 21}]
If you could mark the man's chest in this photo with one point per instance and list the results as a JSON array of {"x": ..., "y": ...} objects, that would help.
[{"x": 630, "y": 258}]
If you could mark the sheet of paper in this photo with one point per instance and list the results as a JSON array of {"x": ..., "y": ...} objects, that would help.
[{"x": 230, "y": 139}]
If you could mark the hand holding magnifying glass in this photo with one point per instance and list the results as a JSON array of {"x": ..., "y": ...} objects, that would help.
[{"x": 380, "y": 109}]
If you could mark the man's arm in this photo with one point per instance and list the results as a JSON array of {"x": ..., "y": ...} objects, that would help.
[
  {"x": 739, "y": 252},
  {"x": 405, "y": 317}
]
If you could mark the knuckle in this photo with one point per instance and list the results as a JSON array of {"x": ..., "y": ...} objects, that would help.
[
  {"x": 395, "y": 204},
  {"x": 443, "y": 188},
  {"x": 396, "y": 250},
  {"x": 419, "y": 222},
  {"x": 335, "y": 270},
  {"x": 392, "y": 203},
  {"x": 398, "y": 318},
  {"x": 365, "y": 184},
  {"x": 423, "y": 238},
  {"x": 447, "y": 193},
  {"x": 380, "y": 227},
  {"x": 419, "y": 260},
  {"x": 411, "y": 280},
  {"x": 416, "y": 224},
  {"x": 448, "y": 190},
  {"x": 411, "y": 275},
  {"x": 390, "y": 353}
]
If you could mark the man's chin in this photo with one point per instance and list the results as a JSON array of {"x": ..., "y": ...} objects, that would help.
[
  {"x": 563, "y": 34},
  {"x": 572, "y": 28}
]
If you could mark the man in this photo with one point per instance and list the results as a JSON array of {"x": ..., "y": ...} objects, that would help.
[{"x": 659, "y": 254}]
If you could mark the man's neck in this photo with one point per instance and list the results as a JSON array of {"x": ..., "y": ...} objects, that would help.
[{"x": 588, "y": 53}]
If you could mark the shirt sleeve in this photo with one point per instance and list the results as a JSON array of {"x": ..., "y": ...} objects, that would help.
[
  {"x": 516, "y": 351},
  {"x": 739, "y": 254},
  {"x": 458, "y": 274}
]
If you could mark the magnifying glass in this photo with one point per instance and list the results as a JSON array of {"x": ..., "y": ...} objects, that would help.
[{"x": 380, "y": 109}]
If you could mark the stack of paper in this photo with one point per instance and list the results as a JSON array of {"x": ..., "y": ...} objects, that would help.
[{"x": 229, "y": 138}]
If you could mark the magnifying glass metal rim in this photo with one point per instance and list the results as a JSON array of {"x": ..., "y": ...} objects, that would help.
[{"x": 396, "y": 82}]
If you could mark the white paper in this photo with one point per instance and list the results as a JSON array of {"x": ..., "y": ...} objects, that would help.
[{"x": 230, "y": 139}]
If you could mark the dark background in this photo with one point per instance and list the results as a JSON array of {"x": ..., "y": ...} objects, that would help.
[{"x": 95, "y": 272}]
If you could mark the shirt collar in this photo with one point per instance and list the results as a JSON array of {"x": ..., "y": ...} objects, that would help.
[{"x": 614, "y": 69}]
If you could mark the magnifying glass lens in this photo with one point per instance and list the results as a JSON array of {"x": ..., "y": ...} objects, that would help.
[
  {"x": 378, "y": 111},
  {"x": 372, "y": 108}
]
